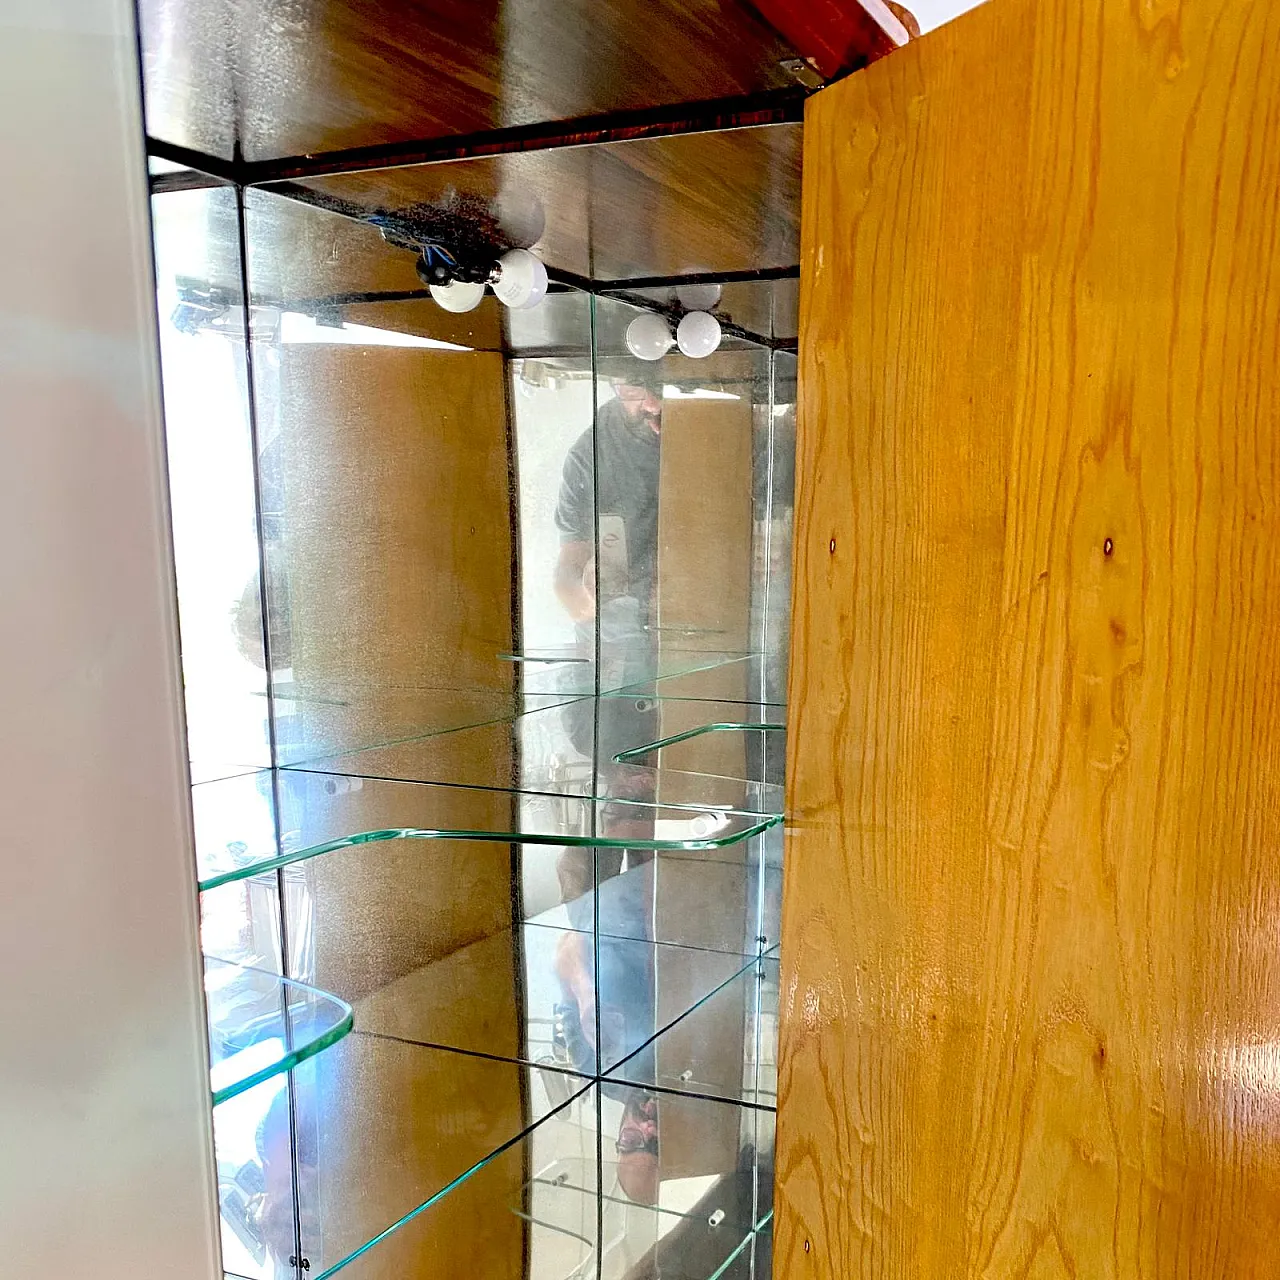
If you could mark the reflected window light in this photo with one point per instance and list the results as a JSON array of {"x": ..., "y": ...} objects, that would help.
[
  {"x": 1252, "y": 1068},
  {"x": 270, "y": 325},
  {"x": 298, "y": 328},
  {"x": 699, "y": 826},
  {"x": 930, "y": 14},
  {"x": 670, "y": 392},
  {"x": 252, "y": 1058}
]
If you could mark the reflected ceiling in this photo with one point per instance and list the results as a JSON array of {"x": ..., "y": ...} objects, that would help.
[
  {"x": 265, "y": 79},
  {"x": 691, "y": 203},
  {"x": 766, "y": 308},
  {"x": 310, "y": 260}
]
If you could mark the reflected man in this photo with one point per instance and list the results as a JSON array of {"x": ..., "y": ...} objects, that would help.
[{"x": 615, "y": 466}]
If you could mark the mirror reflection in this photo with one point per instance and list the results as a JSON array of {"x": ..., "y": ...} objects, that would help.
[{"x": 512, "y": 575}]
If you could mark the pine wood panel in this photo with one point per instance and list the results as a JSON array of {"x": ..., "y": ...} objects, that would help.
[{"x": 1031, "y": 971}]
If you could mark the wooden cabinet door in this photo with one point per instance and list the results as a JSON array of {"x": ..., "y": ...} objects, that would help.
[{"x": 1031, "y": 958}]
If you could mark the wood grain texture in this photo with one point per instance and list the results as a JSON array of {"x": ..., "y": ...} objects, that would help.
[
  {"x": 275, "y": 78},
  {"x": 1031, "y": 968}
]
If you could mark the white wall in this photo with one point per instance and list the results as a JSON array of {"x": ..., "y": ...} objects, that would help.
[{"x": 105, "y": 1151}]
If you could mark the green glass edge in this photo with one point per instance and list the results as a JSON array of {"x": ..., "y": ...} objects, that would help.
[
  {"x": 325, "y": 1040},
  {"x": 436, "y": 1197},
  {"x": 692, "y": 669},
  {"x": 417, "y": 1211},
  {"x": 430, "y": 734},
  {"x": 499, "y": 837},
  {"x": 750, "y": 961},
  {"x": 751, "y": 1235},
  {"x": 539, "y": 659},
  {"x": 729, "y": 1261},
  {"x": 723, "y": 726},
  {"x": 695, "y": 668}
]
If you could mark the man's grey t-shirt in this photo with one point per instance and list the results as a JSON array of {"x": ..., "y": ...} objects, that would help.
[{"x": 626, "y": 474}]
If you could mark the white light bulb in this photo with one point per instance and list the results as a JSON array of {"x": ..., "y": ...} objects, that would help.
[
  {"x": 649, "y": 336},
  {"x": 522, "y": 279},
  {"x": 458, "y": 296},
  {"x": 698, "y": 334},
  {"x": 698, "y": 297},
  {"x": 539, "y": 290}
]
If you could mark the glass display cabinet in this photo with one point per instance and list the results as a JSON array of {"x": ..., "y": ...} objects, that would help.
[
  {"x": 484, "y": 622},
  {"x": 478, "y": 325}
]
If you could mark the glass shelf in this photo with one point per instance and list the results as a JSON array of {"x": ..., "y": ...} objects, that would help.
[
  {"x": 634, "y": 753},
  {"x": 512, "y": 1223},
  {"x": 725, "y": 1046},
  {"x": 261, "y": 1025},
  {"x": 624, "y": 665},
  {"x": 612, "y": 1183},
  {"x": 497, "y": 816},
  {"x": 690, "y": 789},
  {"x": 315, "y": 720},
  {"x": 389, "y": 1129},
  {"x": 546, "y": 977},
  {"x": 547, "y": 657},
  {"x": 567, "y": 748},
  {"x": 753, "y": 1259},
  {"x": 622, "y": 669},
  {"x": 320, "y": 721},
  {"x": 726, "y": 680}
]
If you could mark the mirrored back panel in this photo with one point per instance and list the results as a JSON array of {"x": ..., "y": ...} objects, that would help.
[
  {"x": 719, "y": 202},
  {"x": 484, "y": 623}
]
